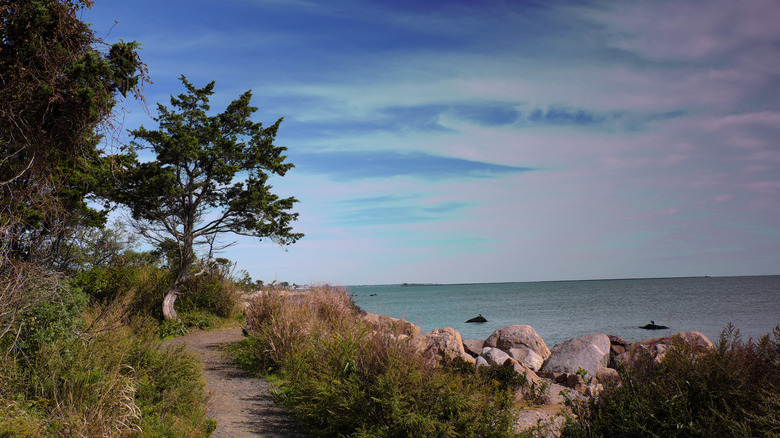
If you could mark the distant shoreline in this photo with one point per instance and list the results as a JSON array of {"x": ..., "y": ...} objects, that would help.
[{"x": 564, "y": 281}]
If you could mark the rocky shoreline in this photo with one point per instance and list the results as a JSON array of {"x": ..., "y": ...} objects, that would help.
[{"x": 579, "y": 367}]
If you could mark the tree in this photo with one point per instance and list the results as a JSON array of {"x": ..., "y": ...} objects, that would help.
[
  {"x": 58, "y": 87},
  {"x": 210, "y": 177}
]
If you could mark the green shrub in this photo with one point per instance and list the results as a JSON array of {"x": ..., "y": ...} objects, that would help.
[
  {"x": 201, "y": 319},
  {"x": 172, "y": 329},
  {"x": 51, "y": 320},
  {"x": 212, "y": 292},
  {"x": 732, "y": 390}
]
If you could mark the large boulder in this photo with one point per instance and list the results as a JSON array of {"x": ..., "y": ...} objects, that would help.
[
  {"x": 388, "y": 324},
  {"x": 519, "y": 336},
  {"x": 654, "y": 350},
  {"x": 442, "y": 344},
  {"x": 589, "y": 353},
  {"x": 494, "y": 356}
]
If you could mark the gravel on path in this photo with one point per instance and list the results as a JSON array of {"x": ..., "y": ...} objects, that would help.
[{"x": 241, "y": 404}]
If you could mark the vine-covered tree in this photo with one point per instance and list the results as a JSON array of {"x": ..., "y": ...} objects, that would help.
[
  {"x": 59, "y": 84},
  {"x": 209, "y": 177},
  {"x": 58, "y": 87}
]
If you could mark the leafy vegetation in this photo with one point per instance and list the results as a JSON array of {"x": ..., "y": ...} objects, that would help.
[
  {"x": 732, "y": 390},
  {"x": 342, "y": 379},
  {"x": 209, "y": 177}
]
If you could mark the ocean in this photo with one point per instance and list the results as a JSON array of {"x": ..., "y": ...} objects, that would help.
[{"x": 561, "y": 310}]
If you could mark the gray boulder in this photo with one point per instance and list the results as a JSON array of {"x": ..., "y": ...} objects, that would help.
[
  {"x": 441, "y": 345},
  {"x": 388, "y": 324},
  {"x": 473, "y": 346},
  {"x": 518, "y": 336},
  {"x": 494, "y": 356},
  {"x": 527, "y": 357},
  {"x": 589, "y": 353}
]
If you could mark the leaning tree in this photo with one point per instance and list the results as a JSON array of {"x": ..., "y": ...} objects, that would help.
[{"x": 209, "y": 177}]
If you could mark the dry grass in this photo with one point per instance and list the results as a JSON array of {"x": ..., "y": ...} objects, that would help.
[{"x": 342, "y": 378}]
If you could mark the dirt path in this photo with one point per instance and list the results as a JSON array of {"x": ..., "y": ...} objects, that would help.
[{"x": 241, "y": 404}]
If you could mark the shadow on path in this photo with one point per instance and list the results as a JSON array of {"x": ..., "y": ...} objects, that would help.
[{"x": 241, "y": 404}]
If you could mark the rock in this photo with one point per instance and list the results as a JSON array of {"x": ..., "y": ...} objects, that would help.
[
  {"x": 575, "y": 381},
  {"x": 494, "y": 356},
  {"x": 519, "y": 368},
  {"x": 518, "y": 336},
  {"x": 481, "y": 362},
  {"x": 479, "y": 318},
  {"x": 617, "y": 346},
  {"x": 541, "y": 421},
  {"x": 442, "y": 344},
  {"x": 654, "y": 350},
  {"x": 389, "y": 324},
  {"x": 653, "y": 326},
  {"x": 473, "y": 346},
  {"x": 609, "y": 377},
  {"x": 589, "y": 353},
  {"x": 527, "y": 357}
]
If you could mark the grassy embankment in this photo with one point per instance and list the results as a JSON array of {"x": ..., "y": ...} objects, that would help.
[
  {"x": 340, "y": 378},
  {"x": 85, "y": 358}
]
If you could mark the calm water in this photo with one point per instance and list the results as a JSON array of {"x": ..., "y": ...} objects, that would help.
[{"x": 569, "y": 309}]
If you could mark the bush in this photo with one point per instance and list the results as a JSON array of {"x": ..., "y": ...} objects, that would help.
[
  {"x": 212, "y": 292},
  {"x": 47, "y": 321},
  {"x": 342, "y": 379},
  {"x": 732, "y": 390}
]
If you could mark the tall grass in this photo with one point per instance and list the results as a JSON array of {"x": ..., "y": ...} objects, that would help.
[
  {"x": 732, "y": 390},
  {"x": 70, "y": 369},
  {"x": 343, "y": 379}
]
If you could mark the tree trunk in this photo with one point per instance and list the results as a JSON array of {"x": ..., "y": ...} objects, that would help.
[{"x": 169, "y": 312}]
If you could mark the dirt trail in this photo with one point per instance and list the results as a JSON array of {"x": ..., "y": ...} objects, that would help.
[{"x": 241, "y": 404}]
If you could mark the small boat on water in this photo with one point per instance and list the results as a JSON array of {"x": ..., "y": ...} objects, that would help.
[
  {"x": 479, "y": 318},
  {"x": 653, "y": 326}
]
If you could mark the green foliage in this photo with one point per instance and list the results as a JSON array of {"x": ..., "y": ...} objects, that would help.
[
  {"x": 211, "y": 292},
  {"x": 209, "y": 177},
  {"x": 732, "y": 390},
  {"x": 48, "y": 321},
  {"x": 342, "y": 379},
  {"x": 173, "y": 328},
  {"x": 56, "y": 91}
]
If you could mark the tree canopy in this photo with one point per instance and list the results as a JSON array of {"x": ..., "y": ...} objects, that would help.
[{"x": 209, "y": 177}]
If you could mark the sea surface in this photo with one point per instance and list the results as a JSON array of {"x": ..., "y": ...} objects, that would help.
[{"x": 561, "y": 310}]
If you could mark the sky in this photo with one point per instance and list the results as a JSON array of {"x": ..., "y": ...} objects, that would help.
[{"x": 458, "y": 142}]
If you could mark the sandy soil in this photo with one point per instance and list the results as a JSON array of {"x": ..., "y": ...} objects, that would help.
[{"x": 241, "y": 404}]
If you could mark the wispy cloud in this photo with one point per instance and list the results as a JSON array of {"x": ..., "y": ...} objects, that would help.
[{"x": 356, "y": 165}]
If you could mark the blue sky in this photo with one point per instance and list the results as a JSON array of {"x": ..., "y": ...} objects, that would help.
[{"x": 453, "y": 142}]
